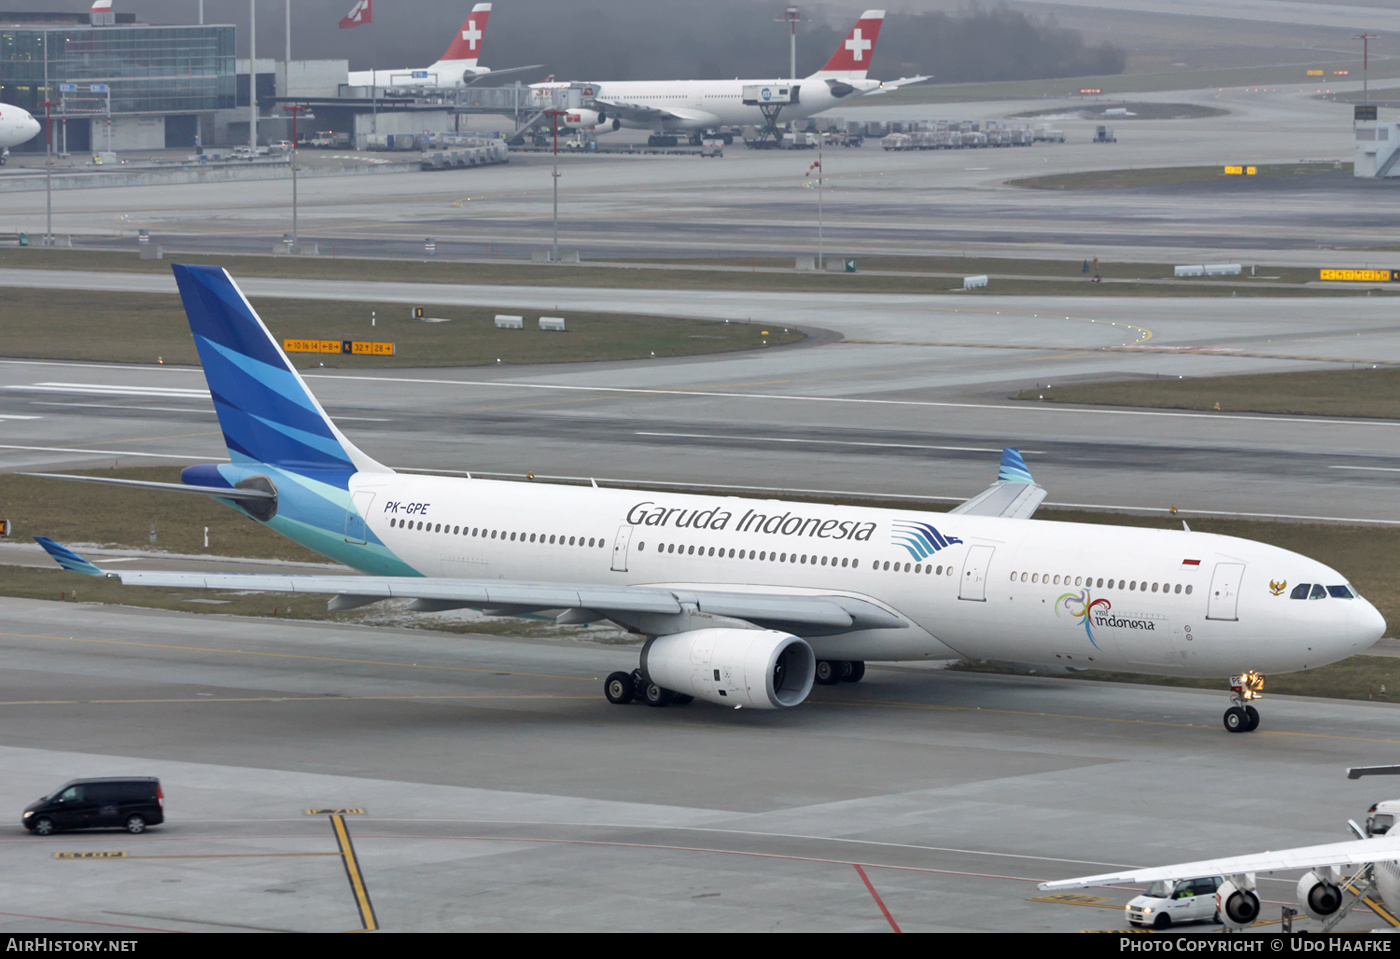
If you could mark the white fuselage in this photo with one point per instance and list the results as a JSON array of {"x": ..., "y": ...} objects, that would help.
[
  {"x": 705, "y": 104},
  {"x": 1015, "y": 590},
  {"x": 16, "y": 126},
  {"x": 444, "y": 73}
]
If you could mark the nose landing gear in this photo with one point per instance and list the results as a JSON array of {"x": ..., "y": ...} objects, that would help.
[{"x": 1242, "y": 717}]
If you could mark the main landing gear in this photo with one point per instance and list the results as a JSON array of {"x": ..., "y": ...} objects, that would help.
[
  {"x": 1242, "y": 717},
  {"x": 833, "y": 671},
  {"x": 622, "y": 688}
]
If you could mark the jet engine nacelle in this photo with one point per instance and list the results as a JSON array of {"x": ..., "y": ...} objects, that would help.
[
  {"x": 1319, "y": 895},
  {"x": 758, "y": 668},
  {"x": 1238, "y": 906},
  {"x": 583, "y": 119}
]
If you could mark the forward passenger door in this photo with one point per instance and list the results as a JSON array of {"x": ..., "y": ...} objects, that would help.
[{"x": 974, "y": 575}]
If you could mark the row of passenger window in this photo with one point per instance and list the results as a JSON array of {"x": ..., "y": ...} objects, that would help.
[
  {"x": 483, "y": 533},
  {"x": 1318, "y": 591},
  {"x": 761, "y": 555},
  {"x": 802, "y": 559},
  {"x": 1130, "y": 584}
]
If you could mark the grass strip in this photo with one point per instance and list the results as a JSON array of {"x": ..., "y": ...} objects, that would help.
[
  {"x": 878, "y": 274},
  {"x": 1173, "y": 176},
  {"x": 78, "y": 325},
  {"x": 1359, "y": 393}
]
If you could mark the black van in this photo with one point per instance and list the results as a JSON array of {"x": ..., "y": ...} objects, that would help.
[{"x": 131, "y": 803}]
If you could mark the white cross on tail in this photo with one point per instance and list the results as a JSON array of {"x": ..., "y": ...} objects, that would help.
[{"x": 857, "y": 44}]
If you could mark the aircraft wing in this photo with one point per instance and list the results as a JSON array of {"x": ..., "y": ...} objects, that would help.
[
  {"x": 640, "y": 113},
  {"x": 1354, "y": 852},
  {"x": 1014, "y": 495},
  {"x": 820, "y": 614}
]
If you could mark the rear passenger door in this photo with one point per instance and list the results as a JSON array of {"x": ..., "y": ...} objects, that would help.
[{"x": 104, "y": 802}]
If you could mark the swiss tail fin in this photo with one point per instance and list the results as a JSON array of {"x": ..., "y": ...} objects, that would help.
[
  {"x": 267, "y": 414},
  {"x": 466, "y": 45},
  {"x": 854, "y": 53}
]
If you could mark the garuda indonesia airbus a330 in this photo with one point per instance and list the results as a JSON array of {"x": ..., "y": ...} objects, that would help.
[{"x": 745, "y": 602}]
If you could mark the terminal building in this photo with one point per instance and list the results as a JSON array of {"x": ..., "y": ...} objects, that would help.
[
  {"x": 115, "y": 84},
  {"x": 131, "y": 85}
]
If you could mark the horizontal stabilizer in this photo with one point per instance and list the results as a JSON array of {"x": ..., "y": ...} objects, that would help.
[
  {"x": 1015, "y": 494},
  {"x": 224, "y": 492}
]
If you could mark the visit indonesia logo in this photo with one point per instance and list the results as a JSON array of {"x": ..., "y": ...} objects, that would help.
[{"x": 1082, "y": 606}]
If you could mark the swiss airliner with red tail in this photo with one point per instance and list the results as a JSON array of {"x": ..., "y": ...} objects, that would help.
[
  {"x": 667, "y": 107},
  {"x": 457, "y": 67}
]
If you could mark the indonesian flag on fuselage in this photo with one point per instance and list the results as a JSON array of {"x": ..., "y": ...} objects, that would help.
[
  {"x": 466, "y": 45},
  {"x": 853, "y": 54},
  {"x": 362, "y": 12}
]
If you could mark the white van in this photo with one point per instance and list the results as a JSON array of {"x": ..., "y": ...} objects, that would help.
[{"x": 1165, "y": 903}]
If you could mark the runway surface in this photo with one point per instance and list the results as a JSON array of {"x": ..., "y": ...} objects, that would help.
[{"x": 501, "y": 792}]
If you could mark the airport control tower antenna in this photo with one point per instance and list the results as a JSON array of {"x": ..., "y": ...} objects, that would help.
[
  {"x": 791, "y": 16},
  {"x": 1365, "y": 39}
]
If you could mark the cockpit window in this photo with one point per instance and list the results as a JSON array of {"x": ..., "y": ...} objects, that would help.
[
  {"x": 1300, "y": 591},
  {"x": 1318, "y": 591},
  {"x": 1341, "y": 592}
]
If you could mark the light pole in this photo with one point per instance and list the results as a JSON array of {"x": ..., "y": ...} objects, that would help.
[
  {"x": 1365, "y": 39},
  {"x": 48, "y": 172},
  {"x": 295, "y": 110},
  {"x": 792, "y": 16},
  {"x": 252, "y": 79},
  {"x": 554, "y": 116}
]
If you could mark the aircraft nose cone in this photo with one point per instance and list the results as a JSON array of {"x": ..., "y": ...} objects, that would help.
[{"x": 1366, "y": 625}]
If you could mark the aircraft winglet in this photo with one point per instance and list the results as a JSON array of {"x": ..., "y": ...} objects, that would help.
[
  {"x": 68, "y": 559},
  {"x": 1013, "y": 468}
]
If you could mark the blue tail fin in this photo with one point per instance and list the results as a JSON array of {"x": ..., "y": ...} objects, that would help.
[{"x": 265, "y": 410}]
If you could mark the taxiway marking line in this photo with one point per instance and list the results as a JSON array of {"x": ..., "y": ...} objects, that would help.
[
  {"x": 876, "y": 896},
  {"x": 159, "y": 456},
  {"x": 352, "y": 871},
  {"x": 1381, "y": 911},
  {"x": 266, "y": 699},
  {"x": 211, "y": 855},
  {"x": 719, "y": 852},
  {"x": 923, "y": 404},
  {"x": 1369, "y": 469},
  {"x": 779, "y": 439},
  {"x": 1098, "y": 719},
  {"x": 87, "y": 922},
  {"x": 321, "y": 659}
]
